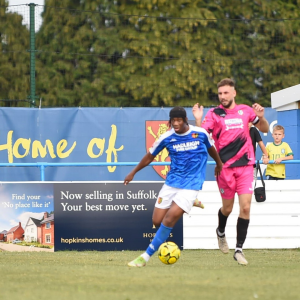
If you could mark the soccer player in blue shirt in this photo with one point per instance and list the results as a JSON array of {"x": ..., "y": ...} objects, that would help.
[{"x": 188, "y": 148}]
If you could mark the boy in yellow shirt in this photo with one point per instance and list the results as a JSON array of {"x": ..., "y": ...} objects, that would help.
[{"x": 277, "y": 151}]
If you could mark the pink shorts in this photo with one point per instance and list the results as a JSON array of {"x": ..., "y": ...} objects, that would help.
[{"x": 235, "y": 180}]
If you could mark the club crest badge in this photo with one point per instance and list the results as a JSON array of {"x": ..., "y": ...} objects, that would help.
[{"x": 154, "y": 129}]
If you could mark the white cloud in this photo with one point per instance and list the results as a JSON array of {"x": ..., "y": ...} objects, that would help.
[
  {"x": 23, "y": 10},
  {"x": 13, "y": 223},
  {"x": 19, "y": 2}
]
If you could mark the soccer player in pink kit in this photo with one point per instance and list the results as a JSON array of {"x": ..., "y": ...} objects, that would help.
[{"x": 228, "y": 124}]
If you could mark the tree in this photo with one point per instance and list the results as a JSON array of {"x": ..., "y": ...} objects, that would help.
[
  {"x": 63, "y": 74},
  {"x": 261, "y": 38},
  {"x": 14, "y": 58},
  {"x": 168, "y": 52},
  {"x": 76, "y": 58},
  {"x": 155, "y": 52}
]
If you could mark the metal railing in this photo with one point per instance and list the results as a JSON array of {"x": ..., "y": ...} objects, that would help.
[{"x": 44, "y": 165}]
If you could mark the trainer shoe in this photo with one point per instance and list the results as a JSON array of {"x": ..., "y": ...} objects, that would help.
[
  {"x": 240, "y": 258},
  {"x": 223, "y": 246},
  {"x": 198, "y": 203},
  {"x": 138, "y": 262}
]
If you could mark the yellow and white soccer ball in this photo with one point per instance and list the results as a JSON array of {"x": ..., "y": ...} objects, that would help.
[{"x": 168, "y": 253}]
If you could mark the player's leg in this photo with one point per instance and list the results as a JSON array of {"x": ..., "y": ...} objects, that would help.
[
  {"x": 223, "y": 214},
  {"x": 173, "y": 214},
  {"x": 177, "y": 202},
  {"x": 162, "y": 205},
  {"x": 242, "y": 228},
  {"x": 158, "y": 215},
  {"x": 227, "y": 186},
  {"x": 244, "y": 189},
  {"x": 198, "y": 203}
]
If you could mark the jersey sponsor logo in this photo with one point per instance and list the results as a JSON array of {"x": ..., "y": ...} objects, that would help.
[
  {"x": 234, "y": 123},
  {"x": 154, "y": 129},
  {"x": 186, "y": 146}
]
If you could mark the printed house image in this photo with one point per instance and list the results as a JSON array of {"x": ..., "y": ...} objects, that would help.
[
  {"x": 47, "y": 230},
  {"x": 33, "y": 231},
  {"x": 3, "y": 234},
  {"x": 16, "y": 232}
]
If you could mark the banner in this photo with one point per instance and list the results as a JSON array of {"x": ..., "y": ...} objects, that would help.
[
  {"x": 25, "y": 212},
  {"x": 69, "y": 135},
  {"x": 100, "y": 216}
]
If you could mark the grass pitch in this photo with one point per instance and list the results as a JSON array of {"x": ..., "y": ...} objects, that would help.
[{"x": 199, "y": 274}]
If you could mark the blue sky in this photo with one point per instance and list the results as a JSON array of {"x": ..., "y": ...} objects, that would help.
[{"x": 15, "y": 196}]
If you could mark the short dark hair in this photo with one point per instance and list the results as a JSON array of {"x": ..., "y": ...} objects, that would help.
[
  {"x": 177, "y": 112},
  {"x": 226, "y": 81}
]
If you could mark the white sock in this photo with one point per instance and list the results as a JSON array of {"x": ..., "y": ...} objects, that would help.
[
  {"x": 145, "y": 256},
  {"x": 221, "y": 233},
  {"x": 238, "y": 249}
]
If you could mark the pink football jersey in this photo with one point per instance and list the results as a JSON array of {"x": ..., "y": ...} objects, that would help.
[{"x": 230, "y": 131}]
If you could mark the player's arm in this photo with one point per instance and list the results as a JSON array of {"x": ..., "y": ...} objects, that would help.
[
  {"x": 263, "y": 124},
  {"x": 214, "y": 154},
  {"x": 145, "y": 161},
  {"x": 263, "y": 149},
  {"x": 198, "y": 114}
]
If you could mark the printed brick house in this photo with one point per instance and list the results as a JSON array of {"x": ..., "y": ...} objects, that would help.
[
  {"x": 16, "y": 232},
  {"x": 33, "y": 231},
  {"x": 47, "y": 230}
]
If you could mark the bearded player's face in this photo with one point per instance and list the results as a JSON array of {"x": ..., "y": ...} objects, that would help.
[
  {"x": 226, "y": 95},
  {"x": 180, "y": 125}
]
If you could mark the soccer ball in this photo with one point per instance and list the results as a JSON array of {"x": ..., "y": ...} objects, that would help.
[{"x": 168, "y": 253}]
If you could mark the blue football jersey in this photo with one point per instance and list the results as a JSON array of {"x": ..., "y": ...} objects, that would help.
[{"x": 188, "y": 153}]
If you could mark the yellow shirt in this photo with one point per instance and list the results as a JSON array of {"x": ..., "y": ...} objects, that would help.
[{"x": 274, "y": 152}]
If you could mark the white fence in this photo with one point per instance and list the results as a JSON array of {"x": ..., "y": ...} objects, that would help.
[{"x": 274, "y": 223}]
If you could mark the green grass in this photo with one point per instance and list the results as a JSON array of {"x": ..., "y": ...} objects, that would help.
[{"x": 199, "y": 274}]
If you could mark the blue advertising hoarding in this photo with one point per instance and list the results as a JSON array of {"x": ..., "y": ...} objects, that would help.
[{"x": 69, "y": 135}]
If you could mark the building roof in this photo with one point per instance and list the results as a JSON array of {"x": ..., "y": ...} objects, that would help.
[
  {"x": 3, "y": 232},
  {"x": 13, "y": 229},
  {"x": 36, "y": 221},
  {"x": 49, "y": 219}
]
